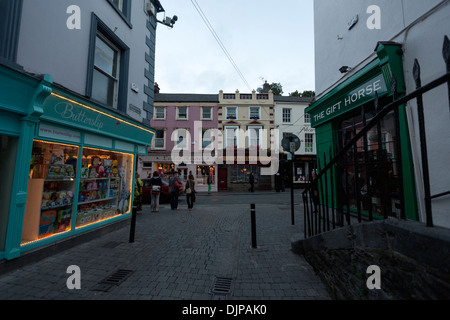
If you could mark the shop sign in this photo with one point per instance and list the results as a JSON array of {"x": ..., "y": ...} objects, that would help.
[
  {"x": 73, "y": 113},
  {"x": 58, "y": 133},
  {"x": 348, "y": 101}
]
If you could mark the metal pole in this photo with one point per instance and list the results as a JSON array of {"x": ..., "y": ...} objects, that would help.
[
  {"x": 133, "y": 224},
  {"x": 253, "y": 222},
  {"x": 292, "y": 191}
]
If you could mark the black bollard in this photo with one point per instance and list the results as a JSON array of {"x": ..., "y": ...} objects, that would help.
[
  {"x": 253, "y": 217},
  {"x": 133, "y": 224}
]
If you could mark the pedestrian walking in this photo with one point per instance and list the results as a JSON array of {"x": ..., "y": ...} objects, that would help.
[
  {"x": 138, "y": 184},
  {"x": 156, "y": 185},
  {"x": 209, "y": 181},
  {"x": 174, "y": 186},
  {"x": 251, "y": 180},
  {"x": 190, "y": 192}
]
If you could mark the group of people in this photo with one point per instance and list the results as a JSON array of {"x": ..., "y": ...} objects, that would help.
[{"x": 174, "y": 186}]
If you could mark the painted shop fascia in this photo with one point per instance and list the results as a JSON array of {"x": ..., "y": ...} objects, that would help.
[
  {"x": 346, "y": 99},
  {"x": 74, "y": 163}
]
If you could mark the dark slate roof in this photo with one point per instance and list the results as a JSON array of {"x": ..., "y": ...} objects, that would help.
[
  {"x": 186, "y": 97},
  {"x": 292, "y": 99}
]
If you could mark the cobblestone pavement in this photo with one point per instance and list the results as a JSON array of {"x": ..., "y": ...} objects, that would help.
[{"x": 179, "y": 254}]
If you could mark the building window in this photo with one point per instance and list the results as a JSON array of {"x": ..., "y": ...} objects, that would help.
[
  {"x": 182, "y": 113},
  {"x": 206, "y": 138},
  {"x": 255, "y": 113},
  {"x": 106, "y": 72},
  {"x": 309, "y": 140},
  {"x": 254, "y": 136},
  {"x": 160, "y": 113},
  {"x": 231, "y": 113},
  {"x": 181, "y": 138},
  {"x": 123, "y": 8},
  {"x": 286, "y": 115},
  {"x": 241, "y": 173},
  {"x": 231, "y": 136},
  {"x": 159, "y": 139},
  {"x": 206, "y": 113},
  {"x": 108, "y": 65},
  {"x": 307, "y": 118}
]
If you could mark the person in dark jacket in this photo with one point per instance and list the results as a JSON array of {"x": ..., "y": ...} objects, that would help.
[
  {"x": 174, "y": 184},
  {"x": 251, "y": 180},
  {"x": 190, "y": 192},
  {"x": 156, "y": 185}
]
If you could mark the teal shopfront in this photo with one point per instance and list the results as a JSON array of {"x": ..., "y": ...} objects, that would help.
[{"x": 69, "y": 164}]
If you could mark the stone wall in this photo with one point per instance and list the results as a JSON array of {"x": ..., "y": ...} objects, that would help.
[{"x": 414, "y": 260}]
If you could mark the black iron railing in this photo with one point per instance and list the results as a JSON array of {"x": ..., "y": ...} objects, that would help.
[{"x": 327, "y": 210}]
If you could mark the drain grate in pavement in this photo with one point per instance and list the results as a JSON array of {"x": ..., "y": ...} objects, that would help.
[
  {"x": 117, "y": 277},
  {"x": 221, "y": 286},
  {"x": 114, "y": 279}
]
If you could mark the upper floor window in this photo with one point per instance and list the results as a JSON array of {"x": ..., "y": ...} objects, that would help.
[
  {"x": 159, "y": 139},
  {"x": 108, "y": 64},
  {"x": 255, "y": 113},
  {"x": 123, "y": 8},
  {"x": 286, "y": 115},
  {"x": 182, "y": 113},
  {"x": 160, "y": 113},
  {"x": 309, "y": 142},
  {"x": 307, "y": 118},
  {"x": 206, "y": 113},
  {"x": 106, "y": 72},
  {"x": 254, "y": 136},
  {"x": 231, "y": 113}
]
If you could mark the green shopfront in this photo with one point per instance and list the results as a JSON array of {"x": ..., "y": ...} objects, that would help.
[
  {"x": 67, "y": 164},
  {"x": 368, "y": 178}
]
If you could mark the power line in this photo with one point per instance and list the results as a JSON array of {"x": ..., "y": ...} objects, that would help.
[{"x": 219, "y": 42}]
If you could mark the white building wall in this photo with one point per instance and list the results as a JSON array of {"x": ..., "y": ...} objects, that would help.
[{"x": 47, "y": 46}]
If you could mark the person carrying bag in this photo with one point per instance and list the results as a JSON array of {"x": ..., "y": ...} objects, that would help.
[{"x": 156, "y": 184}]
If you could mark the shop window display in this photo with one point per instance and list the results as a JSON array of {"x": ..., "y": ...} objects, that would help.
[
  {"x": 51, "y": 187},
  {"x": 105, "y": 186}
]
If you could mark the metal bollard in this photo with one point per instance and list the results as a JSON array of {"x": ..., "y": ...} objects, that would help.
[
  {"x": 253, "y": 218},
  {"x": 133, "y": 224}
]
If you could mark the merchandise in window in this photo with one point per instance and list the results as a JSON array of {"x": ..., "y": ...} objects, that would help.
[
  {"x": 105, "y": 186},
  {"x": 51, "y": 188}
]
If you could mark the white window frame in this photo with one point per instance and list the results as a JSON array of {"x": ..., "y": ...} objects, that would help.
[
  {"x": 211, "y": 113},
  {"x": 227, "y": 116},
  {"x": 209, "y": 146},
  {"x": 251, "y": 138},
  {"x": 155, "y": 147},
  {"x": 307, "y": 118},
  {"x": 284, "y": 116},
  {"x": 309, "y": 148},
  {"x": 185, "y": 141},
  {"x": 250, "y": 112},
  {"x": 236, "y": 138},
  {"x": 187, "y": 113},
  {"x": 155, "y": 117}
]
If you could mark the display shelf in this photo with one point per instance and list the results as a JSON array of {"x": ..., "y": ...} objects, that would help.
[{"x": 97, "y": 200}]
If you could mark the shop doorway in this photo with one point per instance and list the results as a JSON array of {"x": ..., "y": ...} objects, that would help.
[
  {"x": 369, "y": 174},
  {"x": 222, "y": 179}
]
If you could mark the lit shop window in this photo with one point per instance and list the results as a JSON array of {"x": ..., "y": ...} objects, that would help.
[
  {"x": 50, "y": 194},
  {"x": 105, "y": 186}
]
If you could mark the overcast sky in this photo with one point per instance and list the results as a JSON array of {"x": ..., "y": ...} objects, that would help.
[{"x": 268, "y": 40}]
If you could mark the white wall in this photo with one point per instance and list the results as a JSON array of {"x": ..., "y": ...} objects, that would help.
[
  {"x": 297, "y": 125},
  {"x": 46, "y": 45}
]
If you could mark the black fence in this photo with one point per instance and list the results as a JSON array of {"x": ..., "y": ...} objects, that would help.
[{"x": 363, "y": 152}]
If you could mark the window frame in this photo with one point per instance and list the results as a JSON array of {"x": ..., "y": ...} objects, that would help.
[
  {"x": 154, "y": 147},
  {"x": 155, "y": 113},
  {"x": 211, "y": 113},
  {"x": 284, "y": 116},
  {"x": 250, "y": 130},
  {"x": 187, "y": 113},
  {"x": 99, "y": 27},
  {"x": 236, "y": 140},
  {"x": 227, "y": 117},
  {"x": 124, "y": 12},
  {"x": 250, "y": 112},
  {"x": 309, "y": 145}
]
